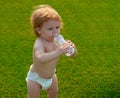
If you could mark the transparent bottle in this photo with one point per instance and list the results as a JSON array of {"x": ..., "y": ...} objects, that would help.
[{"x": 59, "y": 40}]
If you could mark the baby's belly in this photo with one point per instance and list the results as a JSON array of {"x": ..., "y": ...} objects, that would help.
[{"x": 44, "y": 70}]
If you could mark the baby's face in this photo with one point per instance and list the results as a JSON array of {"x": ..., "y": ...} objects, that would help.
[{"x": 49, "y": 29}]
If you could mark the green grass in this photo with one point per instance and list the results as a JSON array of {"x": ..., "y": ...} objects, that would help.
[{"x": 93, "y": 25}]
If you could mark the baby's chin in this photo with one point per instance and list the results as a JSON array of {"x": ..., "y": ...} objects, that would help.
[{"x": 50, "y": 40}]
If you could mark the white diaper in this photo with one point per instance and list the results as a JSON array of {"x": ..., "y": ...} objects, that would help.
[{"x": 45, "y": 83}]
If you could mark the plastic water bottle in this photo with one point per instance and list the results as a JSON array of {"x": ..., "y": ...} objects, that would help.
[{"x": 59, "y": 40}]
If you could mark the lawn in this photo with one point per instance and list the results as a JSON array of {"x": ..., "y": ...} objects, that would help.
[{"x": 93, "y": 25}]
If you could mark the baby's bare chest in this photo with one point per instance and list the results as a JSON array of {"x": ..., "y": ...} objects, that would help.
[{"x": 50, "y": 47}]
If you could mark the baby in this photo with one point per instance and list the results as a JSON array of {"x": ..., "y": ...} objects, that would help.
[{"x": 46, "y": 24}]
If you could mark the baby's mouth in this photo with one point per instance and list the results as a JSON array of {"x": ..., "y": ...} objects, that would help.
[{"x": 51, "y": 38}]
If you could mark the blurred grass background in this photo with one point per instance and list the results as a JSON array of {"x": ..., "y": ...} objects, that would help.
[{"x": 93, "y": 25}]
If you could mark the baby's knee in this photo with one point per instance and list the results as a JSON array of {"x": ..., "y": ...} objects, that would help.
[{"x": 53, "y": 92}]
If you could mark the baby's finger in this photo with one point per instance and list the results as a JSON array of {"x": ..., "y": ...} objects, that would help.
[
  {"x": 66, "y": 45},
  {"x": 68, "y": 40},
  {"x": 71, "y": 43}
]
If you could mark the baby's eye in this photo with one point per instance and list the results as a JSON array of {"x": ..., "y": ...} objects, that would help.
[
  {"x": 50, "y": 28},
  {"x": 57, "y": 27}
]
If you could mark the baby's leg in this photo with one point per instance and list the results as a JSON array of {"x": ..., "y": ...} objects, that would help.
[
  {"x": 33, "y": 89},
  {"x": 53, "y": 90}
]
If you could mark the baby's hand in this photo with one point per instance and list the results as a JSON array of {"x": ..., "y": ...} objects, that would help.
[
  {"x": 71, "y": 43},
  {"x": 64, "y": 48}
]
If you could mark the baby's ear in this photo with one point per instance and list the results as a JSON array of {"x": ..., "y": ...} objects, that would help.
[{"x": 38, "y": 30}]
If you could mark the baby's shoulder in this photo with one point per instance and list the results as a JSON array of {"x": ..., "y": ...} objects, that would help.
[{"x": 38, "y": 43}]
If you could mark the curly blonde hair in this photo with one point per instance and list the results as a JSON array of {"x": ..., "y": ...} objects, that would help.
[{"x": 43, "y": 13}]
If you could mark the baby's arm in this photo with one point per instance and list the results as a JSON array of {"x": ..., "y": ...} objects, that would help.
[{"x": 47, "y": 57}]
